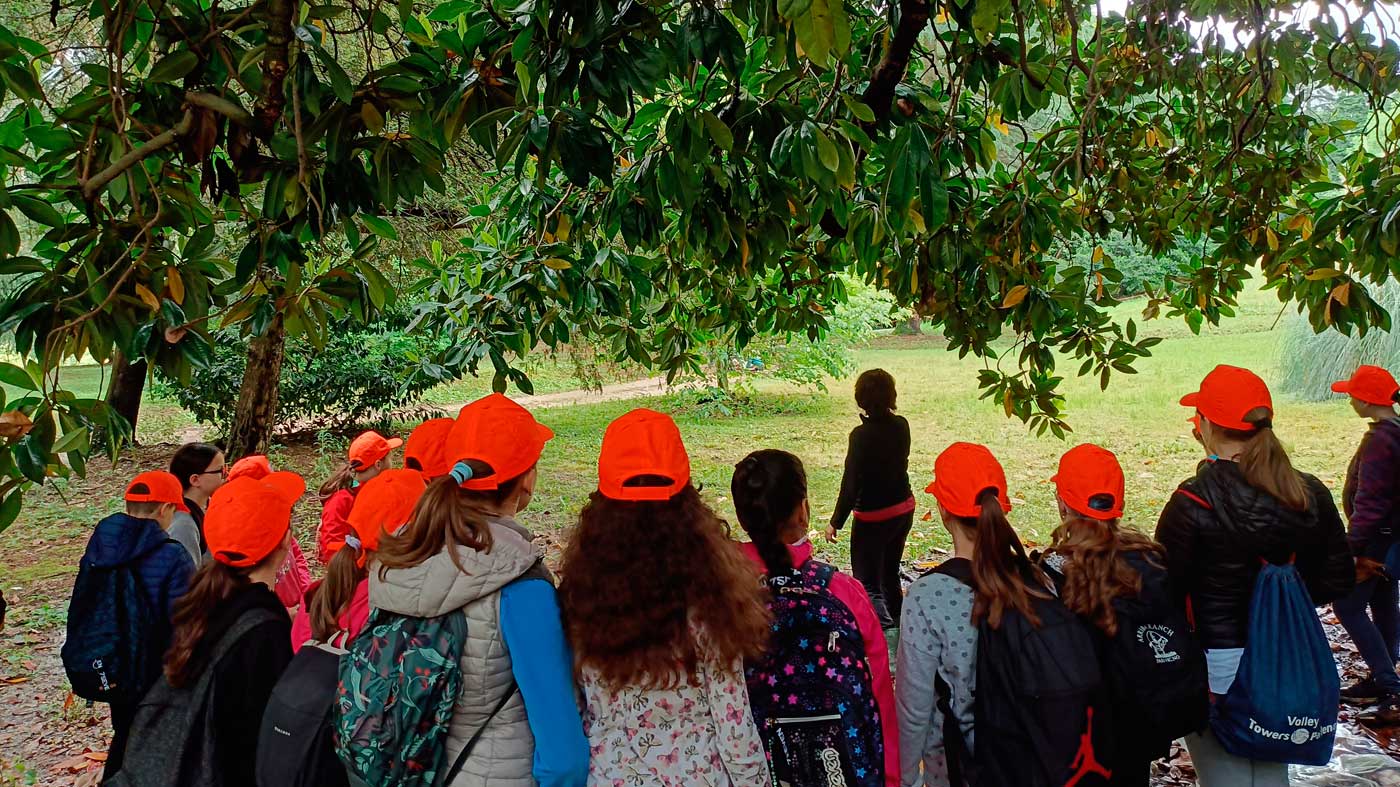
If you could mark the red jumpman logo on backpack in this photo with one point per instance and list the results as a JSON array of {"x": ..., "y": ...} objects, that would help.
[{"x": 1086, "y": 763}]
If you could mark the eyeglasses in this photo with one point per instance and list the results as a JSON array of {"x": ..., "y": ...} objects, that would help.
[{"x": 223, "y": 471}]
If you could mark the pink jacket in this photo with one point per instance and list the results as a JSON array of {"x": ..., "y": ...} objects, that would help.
[
  {"x": 877, "y": 653},
  {"x": 351, "y": 621},
  {"x": 295, "y": 578}
]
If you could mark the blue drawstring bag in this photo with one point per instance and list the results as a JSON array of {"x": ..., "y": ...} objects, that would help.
[{"x": 1283, "y": 704}]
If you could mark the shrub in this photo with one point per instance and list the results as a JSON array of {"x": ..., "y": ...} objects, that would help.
[
  {"x": 1309, "y": 362},
  {"x": 807, "y": 363},
  {"x": 1139, "y": 267},
  {"x": 363, "y": 372}
]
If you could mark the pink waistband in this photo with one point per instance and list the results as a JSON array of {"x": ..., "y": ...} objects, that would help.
[{"x": 889, "y": 512}]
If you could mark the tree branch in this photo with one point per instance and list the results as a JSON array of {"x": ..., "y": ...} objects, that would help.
[
  {"x": 94, "y": 185},
  {"x": 879, "y": 94}
]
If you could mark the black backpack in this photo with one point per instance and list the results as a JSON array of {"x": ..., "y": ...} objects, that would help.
[
  {"x": 1041, "y": 713},
  {"x": 172, "y": 736},
  {"x": 112, "y": 626},
  {"x": 1155, "y": 668},
  {"x": 296, "y": 746}
]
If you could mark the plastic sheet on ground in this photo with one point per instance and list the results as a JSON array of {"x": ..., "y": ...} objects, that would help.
[{"x": 1357, "y": 761}]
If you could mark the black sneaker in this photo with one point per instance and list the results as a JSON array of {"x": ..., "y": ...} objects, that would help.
[{"x": 1362, "y": 692}]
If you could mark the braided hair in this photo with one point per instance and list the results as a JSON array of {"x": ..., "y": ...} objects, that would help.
[{"x": 768, "y": 487}]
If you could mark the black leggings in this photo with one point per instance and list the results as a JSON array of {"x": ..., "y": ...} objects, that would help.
[{"x": 876, "y": 549}]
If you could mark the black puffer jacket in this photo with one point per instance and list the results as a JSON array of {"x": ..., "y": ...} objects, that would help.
[{"x": 1217, "y": 529}]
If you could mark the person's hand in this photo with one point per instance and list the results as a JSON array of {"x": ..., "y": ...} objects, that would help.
[
  {"x": 1366, "y": 569},
  {"x": 831, "y": 533}
]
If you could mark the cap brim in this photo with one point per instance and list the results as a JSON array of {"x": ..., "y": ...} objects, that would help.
[
  {"x": 546, "y": 434},
  {"x": 182, "y": 506},
  {"x": 290, "y": 485},
  {"x": 394, "y": 442},
  {"x": 932, "y": 485},
  {"x": 1341, "y": 386},
  {"x": 1189, "y": 400}
]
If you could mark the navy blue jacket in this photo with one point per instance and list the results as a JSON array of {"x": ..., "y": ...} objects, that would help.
[
  {"x": 165, "y": 567},
  {"x": 1371, "y": 497}
]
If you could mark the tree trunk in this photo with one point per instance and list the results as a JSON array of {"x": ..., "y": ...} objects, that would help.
[
  {"x": 722, "y": 369},
  {"x": 125, "y": 389},
  {"x": 257, "y": 398}
]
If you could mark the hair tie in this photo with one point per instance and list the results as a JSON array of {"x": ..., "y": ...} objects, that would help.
[
  {"x": 1265, "y": 423},
  {"x": 353, "y": 542},
  {"x": 461, "y": 473}
]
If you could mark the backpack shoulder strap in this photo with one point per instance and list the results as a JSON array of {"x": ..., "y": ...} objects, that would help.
[
  {"x": 1195, "y": 498},
  {"x": 451, "y": 773},
  {"x": 537, "y": 570}
]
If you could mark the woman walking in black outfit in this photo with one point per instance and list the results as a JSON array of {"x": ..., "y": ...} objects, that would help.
[{"x": 875, "y": 492}]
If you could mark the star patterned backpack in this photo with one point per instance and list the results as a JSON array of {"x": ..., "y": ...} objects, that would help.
[{"x": 812, "y": 693}]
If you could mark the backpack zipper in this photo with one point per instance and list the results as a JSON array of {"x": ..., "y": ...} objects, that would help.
[
  {"x": 831, "y": 641},
  {"x": 807, "y": 719}
]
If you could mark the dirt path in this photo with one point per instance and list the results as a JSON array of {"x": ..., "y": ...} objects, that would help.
[{"x": 636, "y": 389}]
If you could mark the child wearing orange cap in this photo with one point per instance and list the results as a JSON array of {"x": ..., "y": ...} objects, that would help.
[
  {"x": 464, "y": 550},
  {"x": 770, "y": 497},
  {"x": 232, "y": 641},
  {"x": 1371, "y": 500},
  {"x": 1246, "y": 505},
  {"x": 366, "y": 458},
  {"x": 938, "y": 635},
  {"x": 339, "y": 603},
  {"x": 1115, "y": 578},
  {"x": 132, "y": 547},
  {"x": 423, "y": 451},
  {"x": 661, "y": 611},
  {"x": 294, "y": 579}
]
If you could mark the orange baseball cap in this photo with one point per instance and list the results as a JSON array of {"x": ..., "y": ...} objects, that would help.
[
  {"x": 255, "y": 466},
  {"x": 159, "y": 487},
  {"x": 1370, "y": 384},
  {"x": 1087, "y": 472},
  {"x": 961, "y": 473},
  {"x": 383, "y": 505},
  {"x": 642, "y": 443},
  {"x": 369, "y": 448},
  {"x": 425, "y": 448},
  {"x": 1228, "y": 394},
  {"x": 248, "y": 517},
  {"x": 499, "y": 432}
]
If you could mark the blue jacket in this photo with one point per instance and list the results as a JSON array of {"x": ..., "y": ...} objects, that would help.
[{"x": 165, "y": 566}]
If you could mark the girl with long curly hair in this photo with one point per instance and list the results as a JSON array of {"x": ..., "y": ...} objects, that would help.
[
  {"x": 661, "y": 611},
  {"x": 1113, "y": 577}
]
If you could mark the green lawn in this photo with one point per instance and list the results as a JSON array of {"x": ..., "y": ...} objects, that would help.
[{"x": 1138, "y": 418}]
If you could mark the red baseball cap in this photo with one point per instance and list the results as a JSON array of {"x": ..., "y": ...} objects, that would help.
[
  {"x": 156, "y": 486},
  {"x": 961, "y": 473},
  {"x": 642, "y": 443},
  {"x": 499, "y": 432},
  {"x": 425, "y": 448},
  {"x": 248, "y": 517},
  {"x": 1086, "y": 472},
  {"x": 369, "y": 448},
  {"x": 1370, "y": 384},
  {"x": 1228, "y": 394},
  {"x": 255, "y": 466},
  {"x": 384, "y": 504}
]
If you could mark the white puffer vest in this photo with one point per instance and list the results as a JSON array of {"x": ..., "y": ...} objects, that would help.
[{"x": 504, "y": 755}]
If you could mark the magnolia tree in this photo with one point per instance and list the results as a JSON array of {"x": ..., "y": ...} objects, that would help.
[{"x": 668, "y": 175}]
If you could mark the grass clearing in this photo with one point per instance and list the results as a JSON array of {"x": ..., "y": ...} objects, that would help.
[{"x": 1137, "y": 417}]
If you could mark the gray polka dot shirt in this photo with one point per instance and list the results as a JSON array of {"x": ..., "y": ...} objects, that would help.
[{"x": 937, "y": 639}]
